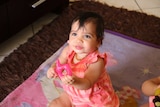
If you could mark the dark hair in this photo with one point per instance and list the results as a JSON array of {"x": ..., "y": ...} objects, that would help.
[{"x": 94, "y": 18}]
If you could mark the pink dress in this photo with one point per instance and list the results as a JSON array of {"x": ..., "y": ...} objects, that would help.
[{"x": 101, "y": 94}]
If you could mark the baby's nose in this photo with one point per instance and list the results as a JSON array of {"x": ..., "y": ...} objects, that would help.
[{"x": 79, "y": 39}]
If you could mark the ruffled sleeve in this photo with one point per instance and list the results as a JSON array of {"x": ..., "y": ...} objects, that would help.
[
  {"x": 108, "y": 58},
  {"x": 94, "y": 57}
]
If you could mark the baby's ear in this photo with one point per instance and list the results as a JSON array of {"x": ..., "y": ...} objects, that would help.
[
  {"x": 99, "y": 43},
  {"x": 67, "y": 41}
]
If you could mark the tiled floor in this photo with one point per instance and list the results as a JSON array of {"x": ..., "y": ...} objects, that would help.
[
  {"x": 151, "y": 7},
  {"x": 21, "y": 37}
]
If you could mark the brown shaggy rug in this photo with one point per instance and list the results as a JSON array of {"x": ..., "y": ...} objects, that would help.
[{"x": 21, "y": 63}]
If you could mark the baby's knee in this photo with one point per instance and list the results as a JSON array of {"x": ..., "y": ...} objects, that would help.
[
  {"x": 54, "y": 103},
  {"x": 60, "y": 102}
]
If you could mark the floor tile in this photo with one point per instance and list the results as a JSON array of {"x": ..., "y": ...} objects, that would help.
[
  {"x": 146, "y": 4},
  {"x": 21, "y": 37},
  {"x": 127, "y": 4},
  {"x": 151, "y": 7},
  {"x": 153, "y": 11},
  {"x": 37, "y": 25},
  {"x": 1, "y": 58},
  {"x": 12, "y": 43}
]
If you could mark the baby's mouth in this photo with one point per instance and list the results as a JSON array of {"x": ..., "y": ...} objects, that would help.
[{"x": 79, "y": 47}]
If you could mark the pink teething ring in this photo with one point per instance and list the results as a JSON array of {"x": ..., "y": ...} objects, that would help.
[{"x": 61, "y": 67}]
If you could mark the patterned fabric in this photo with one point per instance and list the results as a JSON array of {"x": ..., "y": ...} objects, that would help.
[
  {"x": 151, "y": 104},
  {"x": 101, "y": 94},
  {"x": 126, "y": 92}
]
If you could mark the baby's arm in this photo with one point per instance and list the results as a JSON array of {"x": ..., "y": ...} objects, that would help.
[
  {"x": 51, "y": 73},
  {"x": 62, "y": 58},
  {"x": 92, "y": 74},
  {"x": 149, "y": 86}
]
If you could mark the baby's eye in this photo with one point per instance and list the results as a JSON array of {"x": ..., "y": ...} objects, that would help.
[
  {"x": 87, "y": 36},
  {"x": 74, "y": 34}
]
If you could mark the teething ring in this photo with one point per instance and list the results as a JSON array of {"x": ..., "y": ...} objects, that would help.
[{"x": 61, "y": 67}]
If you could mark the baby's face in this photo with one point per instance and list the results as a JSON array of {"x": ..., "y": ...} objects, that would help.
[{"x": 83, "y": 40}]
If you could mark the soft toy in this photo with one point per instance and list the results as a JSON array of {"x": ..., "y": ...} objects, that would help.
[
  {"x": 61, "y": 67},
  {"x": 156, "y": 99},
  {"x": 128, "y": 97}
]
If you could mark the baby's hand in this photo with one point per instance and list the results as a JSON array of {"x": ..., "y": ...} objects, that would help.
[
  {"x": 67, "y": 79},
  {"x": 51, "y": 73}
]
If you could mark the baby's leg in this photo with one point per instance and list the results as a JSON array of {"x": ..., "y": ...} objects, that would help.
[{"x": 62, "y": 101}]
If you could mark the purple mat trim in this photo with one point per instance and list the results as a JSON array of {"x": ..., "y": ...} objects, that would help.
[{"x": 132, "y": 39}]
